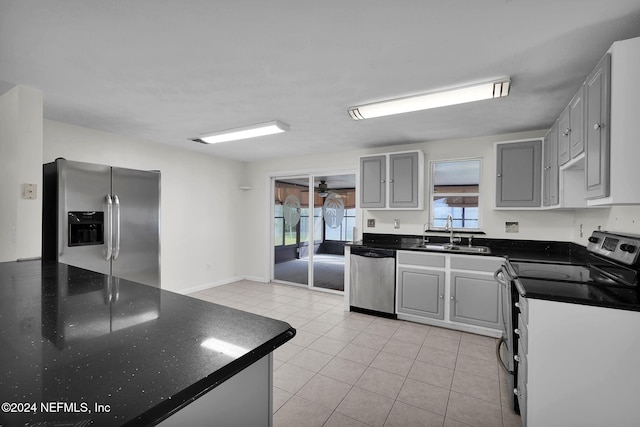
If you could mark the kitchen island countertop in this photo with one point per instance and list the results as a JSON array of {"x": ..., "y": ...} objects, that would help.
[{"x": 85, "y": 349}]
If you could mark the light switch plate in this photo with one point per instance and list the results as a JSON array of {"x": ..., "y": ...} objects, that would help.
[
  {"x": 29, "y": 191},
  {"x": 371, "y": 223},
  {"x": 511, "y": 227},
  {"x": 396, "y": 223}
]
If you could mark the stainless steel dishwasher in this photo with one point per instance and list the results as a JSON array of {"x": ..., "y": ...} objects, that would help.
[{"x": 372, "y": 285}]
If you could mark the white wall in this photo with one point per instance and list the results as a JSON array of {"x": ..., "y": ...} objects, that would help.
[
  {"x": 20, "y": 162},
  {"x": 624, "y": 219},
  {"x": 534, "y": 225},
  {"x": 199, "y": 200},
  {"x": 560, "y": 225}
]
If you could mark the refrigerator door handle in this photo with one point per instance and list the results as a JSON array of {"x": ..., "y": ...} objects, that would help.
[
  {"x": 108, "y": 227},
  {"x": 116, "y": 225}
]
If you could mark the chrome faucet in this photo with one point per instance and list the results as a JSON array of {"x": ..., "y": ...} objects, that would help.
[
  {"x": 448, "y": 226},
  {"x": 425, "y": 227}
]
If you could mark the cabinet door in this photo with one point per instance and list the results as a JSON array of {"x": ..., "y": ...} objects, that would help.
[
  {"x": 576, "y": 107},
  {"x": 421, "y": 292},
  {"x": 550, "y": 173},
  {"x": 373, "y": 182},
  {"x": 564, "y": 132},
  {"x": 475, "y": 299},
  {"x": 519, "y": 166},
  {"x": 596, "y": 130},
  {"x": 403, "y": 180}
]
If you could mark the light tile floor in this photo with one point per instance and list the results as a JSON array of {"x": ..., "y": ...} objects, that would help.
[{"x": 350, "y": 369}]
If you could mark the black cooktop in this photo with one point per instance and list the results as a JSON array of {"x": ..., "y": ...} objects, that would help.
[
  {"x": 599, "y": 282},
  {"x": 590, "y": 293}
]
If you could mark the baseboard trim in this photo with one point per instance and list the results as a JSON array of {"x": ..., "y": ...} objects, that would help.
[{"x": 205, "y": 286}]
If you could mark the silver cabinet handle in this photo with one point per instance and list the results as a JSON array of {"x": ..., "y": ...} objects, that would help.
[
  {"x": 390, "y": 180},
  {"x": 499, "y": 175},
  {"x": 116, "y": 222},
  {"x": 516, "y": 358},
  {"x": 566, "y": 132},
  {"x": 441, "y": 296},
  {"x": 383, "y": 181},
  {"x": 597, "y": 126},
  {"x": 108, "y": 227},
  {"x": 453, "y": 299},
  {"x": 516, "y": 392},
  {"x": 516, "y": 331}
]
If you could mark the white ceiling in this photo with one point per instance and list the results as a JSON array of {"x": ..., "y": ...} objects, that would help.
[{"x": 167, "y": 70}]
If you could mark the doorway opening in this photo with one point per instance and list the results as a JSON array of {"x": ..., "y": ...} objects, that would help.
[{"x": 313, "y": 218}]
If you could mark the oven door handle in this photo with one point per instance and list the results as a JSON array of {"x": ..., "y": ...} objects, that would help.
[
  {"x": 498, "y": 345},
  {"x": 502, "y": 275}
]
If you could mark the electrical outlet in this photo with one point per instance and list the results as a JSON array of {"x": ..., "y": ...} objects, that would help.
[
  {"x": 371, "y": 223},
  {"x": 29, "y": 191},
  {"x": 511, "y": 227},
  {"x": 396, "y": 223}
]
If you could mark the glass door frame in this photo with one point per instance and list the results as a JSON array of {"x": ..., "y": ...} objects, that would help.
[{"x": 310, "y": 176}]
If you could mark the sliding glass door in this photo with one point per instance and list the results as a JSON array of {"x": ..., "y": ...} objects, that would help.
[
  {"x": 322, "y": 206},
  {"x": 291, "y": 230}
]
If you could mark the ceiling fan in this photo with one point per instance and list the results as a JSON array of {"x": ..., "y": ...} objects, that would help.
[{"x": 323, "y": 189}]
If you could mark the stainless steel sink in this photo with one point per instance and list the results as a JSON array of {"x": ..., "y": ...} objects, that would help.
[{"x": 446, "y": 247}]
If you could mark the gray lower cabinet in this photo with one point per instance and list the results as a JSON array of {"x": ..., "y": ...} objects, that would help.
[
  {"x": 403, "y": 180},
  {"x": 421, "y": 292},
  {"x": 518, "y": 170},
  {"x": 475, "y": 299},
  {"x": 597, "y": 100},
  {"x": 373, "y": 185}
]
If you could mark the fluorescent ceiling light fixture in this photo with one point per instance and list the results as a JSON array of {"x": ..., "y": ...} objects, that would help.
[
  {"x": 244, "y": 132},
  {"x": 461, "y": 95}
]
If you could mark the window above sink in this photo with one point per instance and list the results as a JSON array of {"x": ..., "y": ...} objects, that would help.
[{"x": 455, "y": 191}]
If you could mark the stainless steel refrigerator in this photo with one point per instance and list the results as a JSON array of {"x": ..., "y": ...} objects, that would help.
[{"x": 102, "y": 218}]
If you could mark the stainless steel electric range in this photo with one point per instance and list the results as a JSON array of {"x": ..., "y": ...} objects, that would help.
[{"x": 608, "y": 278}]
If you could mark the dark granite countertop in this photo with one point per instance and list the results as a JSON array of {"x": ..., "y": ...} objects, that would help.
[
  {"x": 588, "y": 293},
  {"x": 516, "y": 250},
  {"x": 70, "y": 335},
  {"x": 617, "y": 297}
]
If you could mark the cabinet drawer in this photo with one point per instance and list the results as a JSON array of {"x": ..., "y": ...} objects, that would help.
[
  {"x": 421, "y": 259},
  {"x": 476, "y": 263}
]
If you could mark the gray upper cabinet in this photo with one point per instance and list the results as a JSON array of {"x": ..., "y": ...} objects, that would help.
[
  {"x": 597, "y": 99},
  {"x": 373, "y": 185},
  {"x": 403, "y": 180},
  {"x": 518, "y": 173},
  {"x": 392, "y": 181},
  {"x": 564, "y": 132},
  {"x": 475, "y": 299},
  {"x": 550, "y": 172},
  {"x": 576, "y": 124},
  {"x": 570, "y": 129}
]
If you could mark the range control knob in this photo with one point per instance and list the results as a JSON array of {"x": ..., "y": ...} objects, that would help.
[
  {"x": 594, "y": 239},
  {"x": 627, "y": 248}
]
